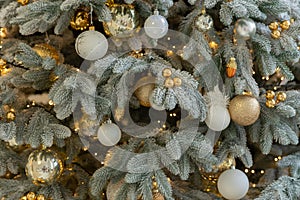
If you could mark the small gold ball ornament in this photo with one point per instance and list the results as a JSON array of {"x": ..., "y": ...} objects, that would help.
[
  {"x": 274, "y": 26},
  {"x": 270, "y": 103},
  {"x": 30, "y": 196},
  {"x": 270, "y": 94},
  {"x": 23, "y": 2},
  {"x": 281, "y": 96},
  {"x": 169, "y": 83},
  {"x": 275, "y": 34},
  {"x": 145, "y": 87},
  {"x": 244, "y": 110},
  {"x": 81, "y": 20},
  {"x": 285, "y": 25},
  {"x": 45, "y": 50},
  {"x": 177, "y": 81},
  {"x": 167, "y": 72},
  {"x": 23, "y": 198}
]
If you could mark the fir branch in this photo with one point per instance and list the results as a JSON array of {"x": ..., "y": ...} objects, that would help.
[
  {"x": 7, "y": 13},
  {"x": 284, "y": 188},
  {"x": 43, "y": 128},
  {"x": 14, "y": 189},
  {"x": 146, "y": 187},
  {"x": 99, "y": 180},
  {"x": 163, "y": 184},
  {"x": 293, "y": 162}
]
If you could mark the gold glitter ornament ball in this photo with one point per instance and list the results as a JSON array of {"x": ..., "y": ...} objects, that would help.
[
  {"x": 244, "y": 110},
  {"x": 81, "y": 20},
  {"x": 45, "y": 50},
  {"x": 125, "y": 21}
]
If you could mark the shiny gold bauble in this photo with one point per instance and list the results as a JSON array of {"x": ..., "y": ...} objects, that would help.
[
  {"x": 281, "y": 96},
  {"x": 167, "y": 72},
  {"x": 169, "y": 83},
  {"x": 23, "y": 2},
  {"x": 177, "y": 81},
  {"x": 30, "y": 196},
  {"x": 44, "y": 167},
  {"x": 270, "y": 103},
  {"x": 124, "y": 23},
  {"x": 270, "y": 94},
  {"x": 144, "y": 88},
  {"x": 23, "y": 198},
  {"x": 274, "y": 26},
  {"x": 244, "y": 110},
  {"x": 81, "y": 20},
  {"x": 275, "y": 34},
  {"x": 285, "y": 25},
  {"x": 45, "y": 50}
]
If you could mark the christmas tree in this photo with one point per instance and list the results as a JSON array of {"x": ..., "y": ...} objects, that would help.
[{"x": 156, "y": 99}]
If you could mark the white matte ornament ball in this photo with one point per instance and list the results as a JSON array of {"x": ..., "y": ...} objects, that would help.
[
  {"x": 218, "y": 118},
  {"x": 245, "y": 28},
  {"x": 156, "y": 26},
  {"x": 233, "y": 184},
  {"x": 91, "y": 45},
  {"x": 109, "y": 134}
]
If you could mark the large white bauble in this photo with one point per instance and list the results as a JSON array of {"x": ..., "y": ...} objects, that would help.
[
  {"x": 91, "y": 45},
  {"x": 233, "y": 184},
  {"x": 218, "y": 118},
  {"x": 109, "y": 134},
  {"x": 156, "y": 26}
]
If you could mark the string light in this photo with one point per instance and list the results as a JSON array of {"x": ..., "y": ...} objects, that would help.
[
  {"x": 51, "y": 103},
  {"x": 262, "y": 171},
  {"x": 246, "y": 170}
]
